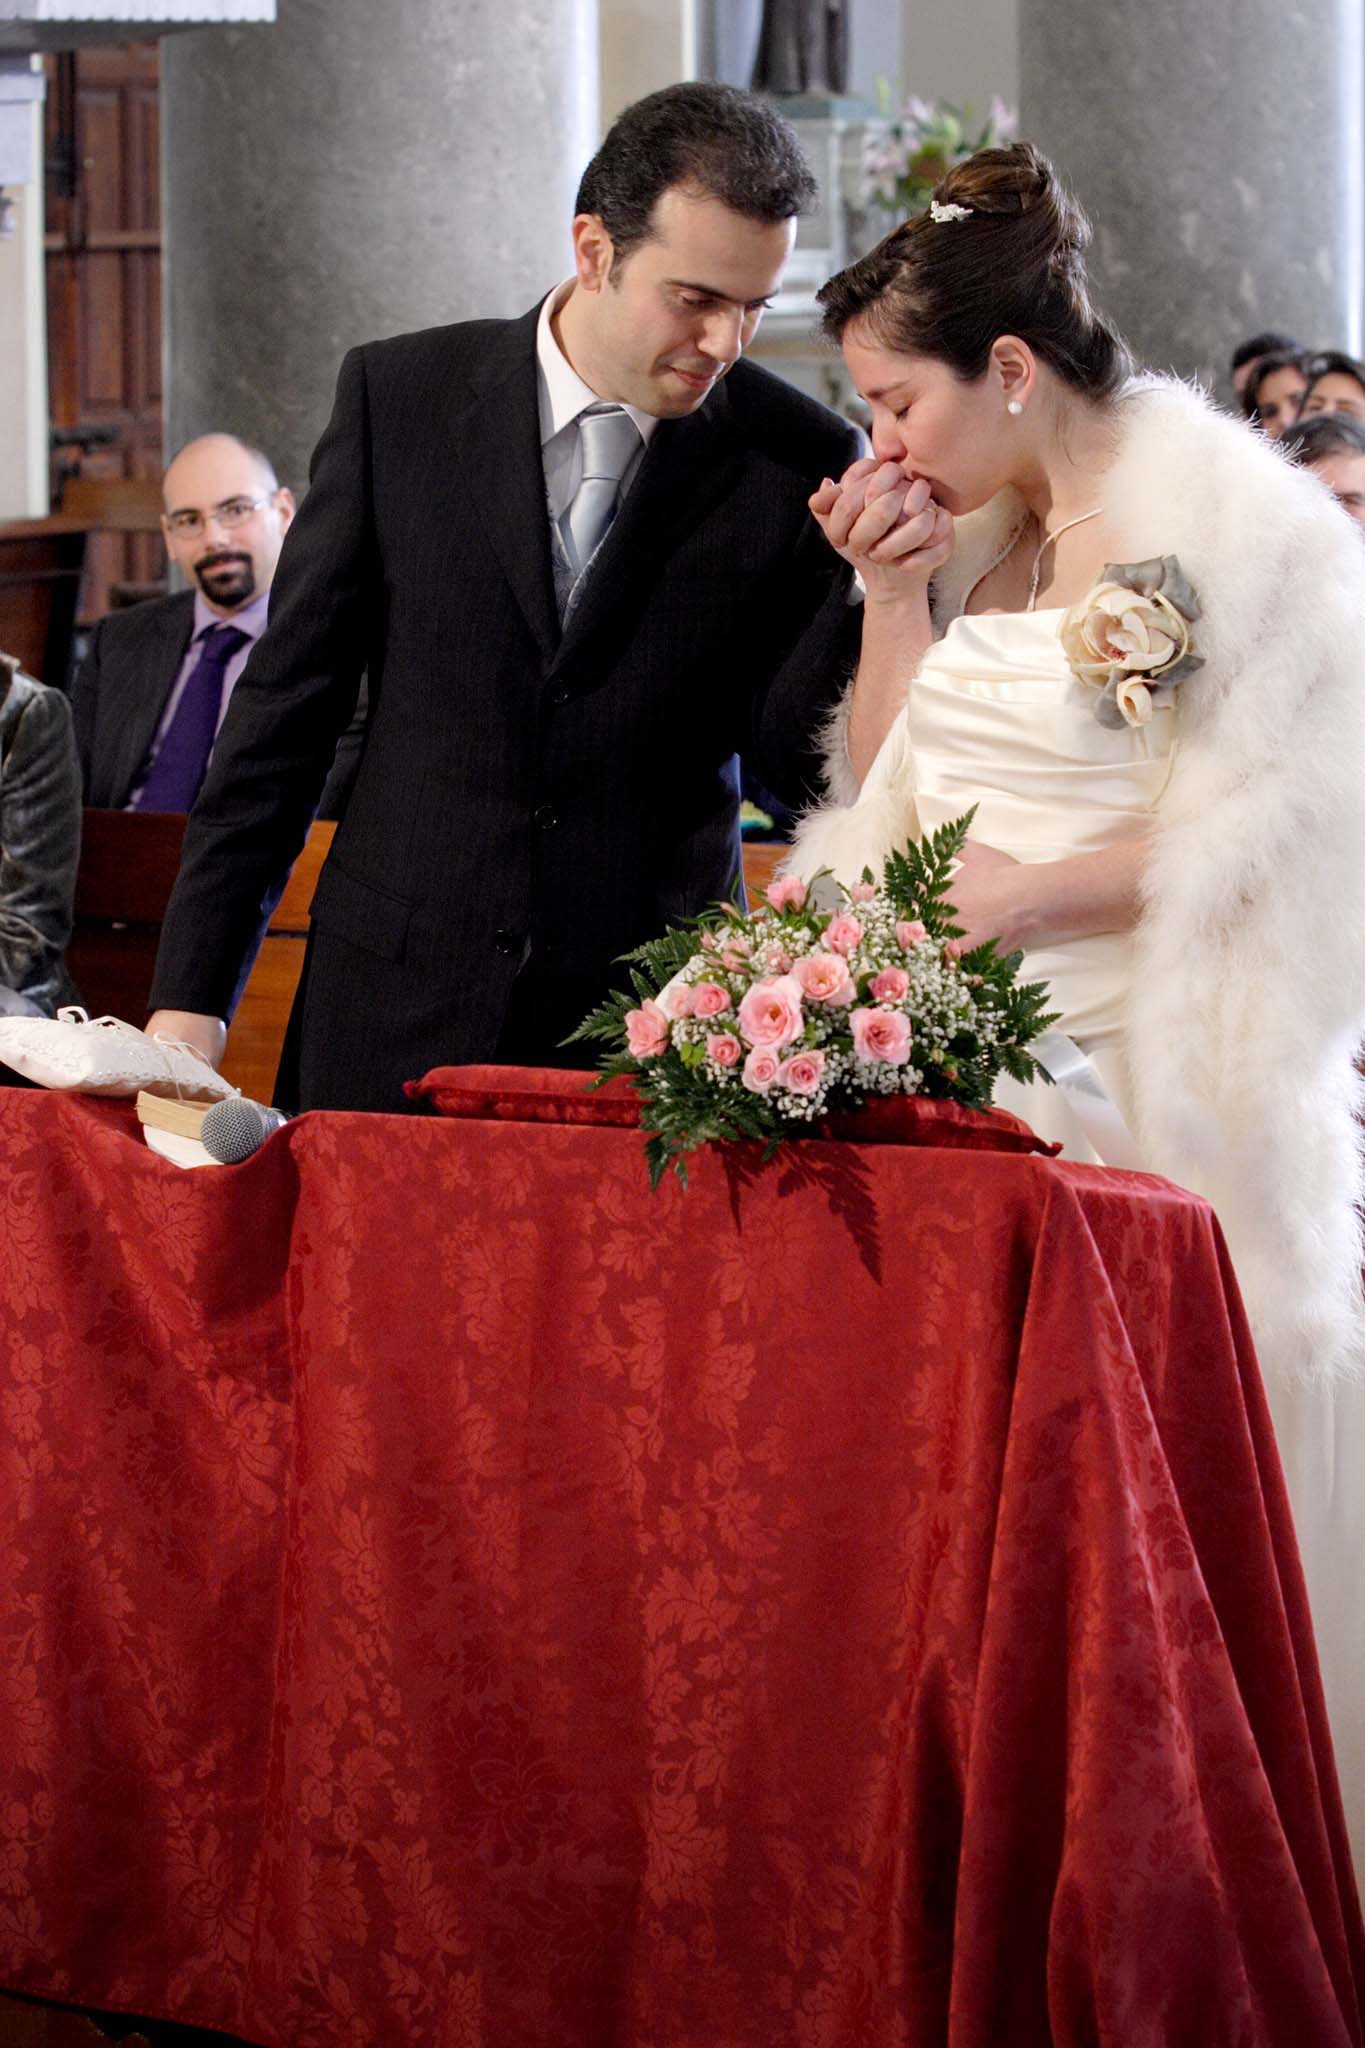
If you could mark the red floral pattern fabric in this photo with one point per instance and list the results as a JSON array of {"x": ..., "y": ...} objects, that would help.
[{"x": 456, "y": 1599}]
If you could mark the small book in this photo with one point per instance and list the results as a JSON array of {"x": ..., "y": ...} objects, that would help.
[{"x": 164, "y": 1113}]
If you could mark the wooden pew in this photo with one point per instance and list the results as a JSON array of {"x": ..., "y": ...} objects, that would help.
[
  {"x": 258, "y": 1028},
  {"x": 41, "y": 565},
  {"x": 760, "y": 861},
  {"x": 126, "y": 561},
  {"x": 129, "y": 861}
]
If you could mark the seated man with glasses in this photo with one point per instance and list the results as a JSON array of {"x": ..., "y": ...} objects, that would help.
[{"x": 152, "y": 692}]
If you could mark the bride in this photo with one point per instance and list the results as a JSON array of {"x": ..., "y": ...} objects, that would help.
[{"x": 1124, "y": 628}]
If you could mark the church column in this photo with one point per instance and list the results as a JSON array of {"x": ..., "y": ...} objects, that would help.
[
  {"x": 356, "y": 171},
  {"x": 1220, "y": 158}
]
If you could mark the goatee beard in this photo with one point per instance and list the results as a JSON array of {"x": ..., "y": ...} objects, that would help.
[{"x": 227, "y": 580}]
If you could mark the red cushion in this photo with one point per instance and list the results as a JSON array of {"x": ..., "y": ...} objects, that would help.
[
  {"x": 527, "y": 1095},
  {"x": 546, "y": 1095}
]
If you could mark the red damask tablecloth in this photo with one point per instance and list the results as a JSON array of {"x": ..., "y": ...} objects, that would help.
[{"x": 452, "y": 1596}]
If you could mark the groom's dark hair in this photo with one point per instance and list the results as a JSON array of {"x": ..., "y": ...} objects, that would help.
[{"x": 727, "y": 144}]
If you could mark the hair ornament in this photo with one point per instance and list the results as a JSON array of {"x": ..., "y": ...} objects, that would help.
[{"x": 939, "y": 213}]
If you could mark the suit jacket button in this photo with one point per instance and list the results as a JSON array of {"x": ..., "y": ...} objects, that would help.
[
  {"x": 546, "y": 818},
  {"x": 558, "y": 693},
  {"x": 506, "y": 942}
]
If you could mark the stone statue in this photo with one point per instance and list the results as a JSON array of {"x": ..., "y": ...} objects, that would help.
[{"x": 803, "y": 47}]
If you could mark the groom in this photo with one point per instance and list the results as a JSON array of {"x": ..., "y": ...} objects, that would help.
[{"x": 574, "y": 553}]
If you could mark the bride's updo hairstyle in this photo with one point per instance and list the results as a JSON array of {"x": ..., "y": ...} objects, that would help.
[{"x": 1015, "y": 264}]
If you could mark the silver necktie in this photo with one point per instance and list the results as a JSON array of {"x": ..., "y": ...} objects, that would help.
[{"x": 608, "y": 437}]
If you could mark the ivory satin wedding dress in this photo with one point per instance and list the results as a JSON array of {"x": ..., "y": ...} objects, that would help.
[{"x": 995, "y": 718}]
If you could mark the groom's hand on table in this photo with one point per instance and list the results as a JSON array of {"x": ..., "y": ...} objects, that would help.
[
  {"x": 207, "y": 1035},
  {"x": 887, "y": 526}
]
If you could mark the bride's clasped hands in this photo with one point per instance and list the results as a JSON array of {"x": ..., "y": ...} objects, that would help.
[
  {"x": 895, "y": 534},
  {"x": 888, "y": 526}
]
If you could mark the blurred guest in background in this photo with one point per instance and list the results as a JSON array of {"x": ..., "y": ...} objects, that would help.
[
  {"x": 1272, "y": 393},
  {"x": 1249, "y": 353},
  {"x": 1332, "y": 445},
  {"x": 156, "y": 683},
  {"x": 40, "y": 832},
  {"x": 1336, "y": 384}
]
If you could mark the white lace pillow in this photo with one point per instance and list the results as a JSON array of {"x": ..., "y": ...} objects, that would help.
[{"x": 104, "y": 1056}]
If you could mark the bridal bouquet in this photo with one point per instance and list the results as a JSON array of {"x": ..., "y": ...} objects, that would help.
[{"x": 752, "y": 1026}]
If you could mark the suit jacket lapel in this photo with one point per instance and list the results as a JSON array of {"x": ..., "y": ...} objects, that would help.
[
  {"x": 688, "y": 467},
  {"x": 143, "y": 689},
  {"x": 505, "y": 485}
]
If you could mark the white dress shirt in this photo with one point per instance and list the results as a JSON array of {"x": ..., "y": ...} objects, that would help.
[{"x": 563, "y": 396}]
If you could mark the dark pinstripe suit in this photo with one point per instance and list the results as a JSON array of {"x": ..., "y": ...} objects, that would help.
[{"x": 519, "y": 792}]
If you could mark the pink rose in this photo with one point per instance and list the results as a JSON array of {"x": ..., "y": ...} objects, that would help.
[
  {"x": 801, "y": 1073},
  {"x": 843, "y": 933},
  {"x": 825, "y": 978},
  {"x": 722, "y": 1048},
  {"x": 733, "y": 961},
  {"x": 890, "y": 985},
  {"x": 675, "y": 997},
  {"x": 709, "y": 999},
  {"x": 951, "y": 950},
  {"x": 909, "y": 932},
  {"x": 788, "y": 892},
  {"x": 760, "y": 1071},
  {"x": 646, "y": 1031},
  {"x": 777, "y": 960},
  {"x": 770, "y": 1015},
  {"x": 882, "y": 1035},
  {"x": 862, "y": 892}
]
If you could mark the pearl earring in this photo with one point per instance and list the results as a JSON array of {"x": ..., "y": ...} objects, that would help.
[{"x": 1014, "y": 407}]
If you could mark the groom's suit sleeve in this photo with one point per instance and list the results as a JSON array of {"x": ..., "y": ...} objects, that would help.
[
  {"x": 797, "y": 698},
  {"x": 291, "y": 704}
]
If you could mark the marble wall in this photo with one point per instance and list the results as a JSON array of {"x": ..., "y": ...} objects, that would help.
[
  {"x": 1220, "y": 160},
  {"x": 352, "y": 172},
  {"x": 963, "y": 54},
  {"x": 645, "y": 44}
]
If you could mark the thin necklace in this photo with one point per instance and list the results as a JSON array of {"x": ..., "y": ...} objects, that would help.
[{"x": 1047, "y": 541}]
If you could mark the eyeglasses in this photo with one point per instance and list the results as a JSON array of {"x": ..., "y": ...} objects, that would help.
[{"x": 232, "y": 512}]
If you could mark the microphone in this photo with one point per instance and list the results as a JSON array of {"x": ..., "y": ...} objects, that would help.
[{"x": 236, "y": 1127}]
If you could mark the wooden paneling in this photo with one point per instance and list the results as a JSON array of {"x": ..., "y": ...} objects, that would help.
[
  {"x": 103, "y": 336},
  {"x": 104, "y": 287},
  {"x": 143, "y": 183},
  {"x": 103, "y": 146}
]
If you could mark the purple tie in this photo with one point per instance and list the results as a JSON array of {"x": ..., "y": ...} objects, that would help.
[{"x": 175, "y": 775}]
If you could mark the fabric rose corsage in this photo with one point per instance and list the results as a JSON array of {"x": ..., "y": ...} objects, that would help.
[{"x": 1131, "y": 634}]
